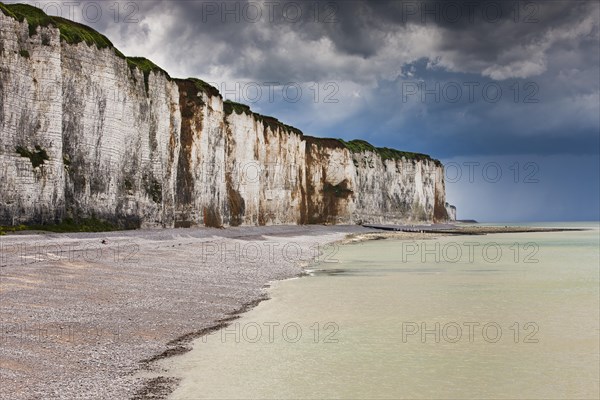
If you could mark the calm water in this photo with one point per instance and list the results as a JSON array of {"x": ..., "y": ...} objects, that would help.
[{"x": 512, "y": 324}]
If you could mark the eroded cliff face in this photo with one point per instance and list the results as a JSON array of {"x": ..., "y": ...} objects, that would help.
[
  {"x": 86, "y": 132},
  {"x": 344, "y": 186},
  {"x": 451, "y": 212}
]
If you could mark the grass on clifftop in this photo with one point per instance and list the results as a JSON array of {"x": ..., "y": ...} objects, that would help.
[
  {"x": 145, "y": 66},
  {"x": 35, "y": 17},
  {"x": 361, "y": 146},
  {"x": 6, "y": 11},
  {"x": 231, "y": 106},
  {"x": 205, "y": 87},
  {"x": 71, "y": 32},
  {"x": 274, "y": 123},
  {"x": 355, "y": 146}
]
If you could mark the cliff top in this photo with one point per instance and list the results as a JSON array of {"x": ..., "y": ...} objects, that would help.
[
  {"x": 73, "y": 33},
  {"x": 360, "y": 146}
]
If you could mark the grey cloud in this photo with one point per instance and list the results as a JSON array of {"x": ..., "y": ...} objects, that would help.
[
  {"x": 371, "y": 43},
  {"x": 361, "y": 33}
]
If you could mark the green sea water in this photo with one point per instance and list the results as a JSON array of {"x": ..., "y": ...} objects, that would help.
[{"x": 502, "y": 316}]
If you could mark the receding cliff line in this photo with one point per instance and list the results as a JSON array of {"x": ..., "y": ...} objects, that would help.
[{"x": 90, "y": 133}]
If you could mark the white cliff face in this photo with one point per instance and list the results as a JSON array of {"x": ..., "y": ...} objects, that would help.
[
  {"x": 349, "y": 187},
  {"x": 106, "y": 139},
  {"x": 30, "y": 115},
  {"x": 117, "y": 137},
  {"x": 265, "y": 167},
  {"x": 451, "y": 211},
  {"x": 85, "y": 134}
]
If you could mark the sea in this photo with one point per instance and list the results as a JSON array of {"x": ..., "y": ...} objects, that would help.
[{"x": 498, "y": 316}]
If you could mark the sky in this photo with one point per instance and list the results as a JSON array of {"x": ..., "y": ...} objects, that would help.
[{"x": 505, "y": 93}]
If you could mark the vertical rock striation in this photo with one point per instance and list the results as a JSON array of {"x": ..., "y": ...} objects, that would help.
[{"x": 88, "y": 132}]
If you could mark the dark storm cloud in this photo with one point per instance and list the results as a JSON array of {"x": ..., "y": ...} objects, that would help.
[
  {"x": 502, "y": 44},
  {"x": 271, "y": 39}
]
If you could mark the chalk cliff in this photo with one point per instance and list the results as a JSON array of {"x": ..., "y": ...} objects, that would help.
[
  {"x": 451, "y": 212},
  {"x": 86, "y": 131}
]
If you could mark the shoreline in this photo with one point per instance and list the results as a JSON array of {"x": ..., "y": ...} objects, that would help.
[
  {"x": 146, "y": 311},
  {"x": 91, "y": 307},
  {"x": 161, "y": 386},
  {"x": 355, "y": 295}
]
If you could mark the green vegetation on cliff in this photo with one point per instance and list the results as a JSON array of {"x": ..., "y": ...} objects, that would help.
[
  {"x": 145, "y": 66},
  {"x": 274, "y": 123},
  {"x": 231, "y": 106},
  {"x": 361, "y": 146},
  {"x": 192, "y": 89},
  {"x": 71, "y": 32},
  {"x": 205, "y": 87},
  {"x": 35, "y": 17},
  {"x": 11, "y": 229},
  {"x": 153, "y": 189},
  {"x": 92, "y": 224},
  {"x": 7, "y": 11},
  {"x": 340, "y": 190},
  {"x": 355, "y": 146}
]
